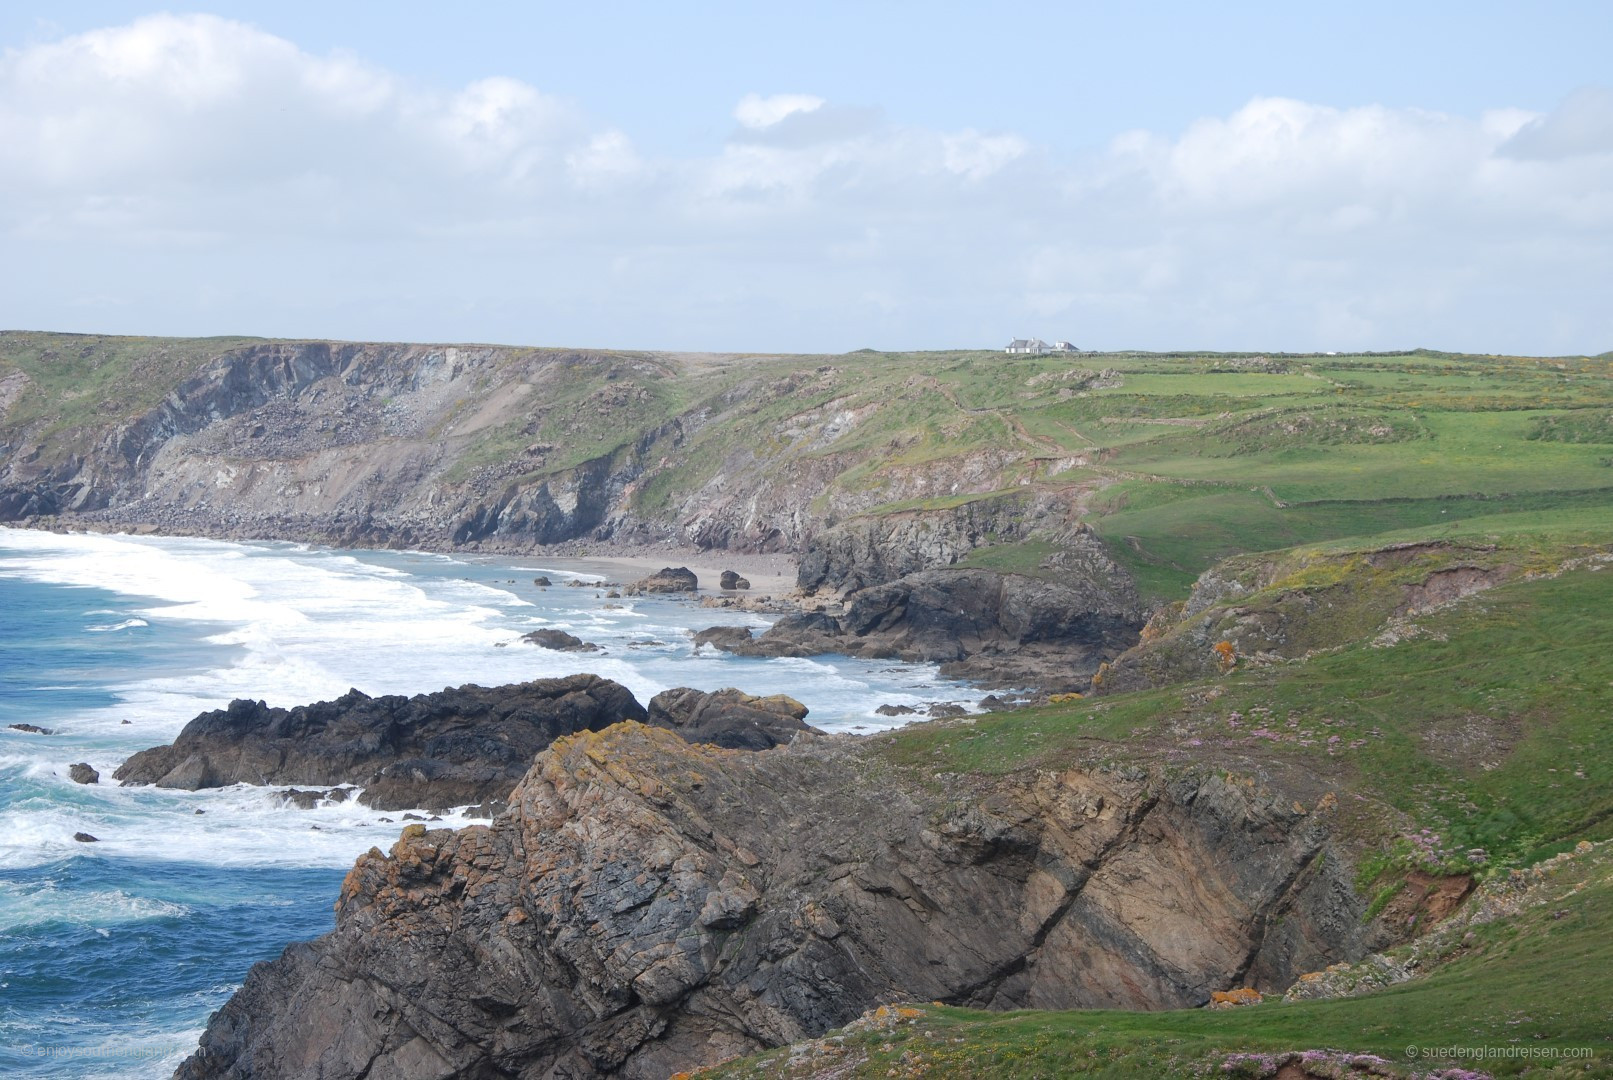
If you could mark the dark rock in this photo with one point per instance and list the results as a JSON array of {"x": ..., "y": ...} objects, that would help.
[
  {"x": 125, "y": 721},
  {"x": 647, "y": 907},
  {"x": 997, "y": 629},
  {"x": 542, "y": 582},
  {"x": 560, "y": 641},
  {"x": 896, "y": 710},
  {"x": 730, "y": 718},
  {"x": 731, "y": 580},
  {"x": 668, "y": 579},
  {"x": 81, "y": 773},
  {"x": 944, "y": 709},
  {"x": 34, "y": 729},
  {"x": 455, "y": 747},
  {"x": 727, "y": 638},
  {"x": 302, "y": 800},
  {"x": 86, "y": 838},
  {"x": 614, "y": 594}
]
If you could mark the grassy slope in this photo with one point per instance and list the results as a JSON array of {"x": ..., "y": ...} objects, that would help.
[
  {"x": 1311, "y": 449},
  {"x": 1530, "y": 661}
]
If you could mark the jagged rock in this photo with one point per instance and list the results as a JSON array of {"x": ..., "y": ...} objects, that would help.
[
  {"x": 86, "y": 838},
  {"x": 724, "y": 636},
  {"x": 730, "y": 718},
  {"x": 303, "y": 799},
  {"x": 455, "y": 747},
  {"x": 82, "y": 773},
  {"x": 647, "y": 906},
  {"x": 731, "y": 580},
  {"x": 996, "y": 629},
  {"x": 560, "y": 641},
  {"x": 668, "y": 579},
  {"x": 32, "y": 729},
  {"x": 542, "y": 582},
  {"x": 896, "y": 710}
]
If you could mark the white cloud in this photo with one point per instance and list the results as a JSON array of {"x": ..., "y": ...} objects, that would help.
[
  {"x": 193, "y": 174},
  {"x": 755, "y": 111}
]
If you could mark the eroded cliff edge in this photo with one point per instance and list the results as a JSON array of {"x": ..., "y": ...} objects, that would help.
[{"x": 647, "y": 905}]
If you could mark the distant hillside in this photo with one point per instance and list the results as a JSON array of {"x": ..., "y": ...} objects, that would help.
[{"x": 873, "y": 464}]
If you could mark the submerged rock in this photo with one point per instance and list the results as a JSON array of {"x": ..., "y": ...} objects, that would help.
[
  {"x": 560, "y": 641},
  {"x": 31, "y": 729},
  {"x": 86, "y": 838},
  {"x": 723, "y": 637}
]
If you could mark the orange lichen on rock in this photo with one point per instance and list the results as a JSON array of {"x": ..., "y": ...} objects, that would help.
[{"x": 1232, "y": 999}]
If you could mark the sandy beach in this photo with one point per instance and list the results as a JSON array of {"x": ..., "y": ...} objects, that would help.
[{"x": 769, "y": 575}]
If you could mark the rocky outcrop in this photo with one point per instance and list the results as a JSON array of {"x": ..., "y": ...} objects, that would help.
[
  {"x": 1261, "y": 609},
  {"x": 730, "y": 718},
  {"x": 647, "y": 906},
  {"x": 668, "y": 579},
  {"x": 996, "y": 629},
  {"x": 559, "y": 641},
  {"x": 457, "y": 747},
  {"x": 723, "y": 637},
  {"x": 873, "y": 550},
  {"x": 83, "y": 773}
]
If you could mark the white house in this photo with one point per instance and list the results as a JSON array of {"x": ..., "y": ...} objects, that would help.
[{"x": 1038, "y": 347}]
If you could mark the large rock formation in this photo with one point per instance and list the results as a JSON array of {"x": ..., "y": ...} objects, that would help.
[
  {"x": 997, "y": 629},
  {"x": 456, "y": 747},
  {"x": 646, "y": 906},
  {"x": 730, "y": 718}
]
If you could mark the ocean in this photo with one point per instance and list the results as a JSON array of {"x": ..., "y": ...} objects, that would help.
[{"x": 114, "y": 953}]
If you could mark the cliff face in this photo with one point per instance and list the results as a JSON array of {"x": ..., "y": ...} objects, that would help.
[
  {"x": 646, "y": 906},
  {"x": 507, "y": 448}
]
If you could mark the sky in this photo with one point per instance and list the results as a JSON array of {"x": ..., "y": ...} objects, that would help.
[{"x": 814, "y": 178}]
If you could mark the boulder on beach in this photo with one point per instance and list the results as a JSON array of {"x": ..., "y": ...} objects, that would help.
[
  {"x": 668, "y": 579},
  {"x": 731, "y": 580}
]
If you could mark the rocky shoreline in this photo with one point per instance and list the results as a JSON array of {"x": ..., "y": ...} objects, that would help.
[
  {"x": 648, "y": 905},
  {"x": 464, "y": 747}
]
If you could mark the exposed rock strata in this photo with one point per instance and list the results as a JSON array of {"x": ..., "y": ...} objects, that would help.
[
  {"x": 456, "y": 747},
  {"x": 647, "y": 906},
  {"x": 997, "y": 629}
]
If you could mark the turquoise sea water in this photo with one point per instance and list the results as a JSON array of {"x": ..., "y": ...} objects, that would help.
[{"x": 112, "y": 954}]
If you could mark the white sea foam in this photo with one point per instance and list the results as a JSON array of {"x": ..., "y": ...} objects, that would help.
[
  {"x": 124, "y": 625},
  {"x": 291, "y": 624}
]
